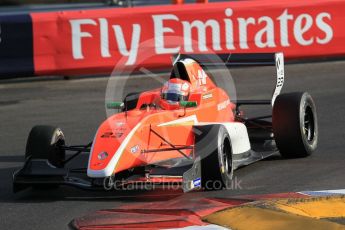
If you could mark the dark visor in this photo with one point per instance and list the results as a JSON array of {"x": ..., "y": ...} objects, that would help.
[{"x": 174, "y": 97}]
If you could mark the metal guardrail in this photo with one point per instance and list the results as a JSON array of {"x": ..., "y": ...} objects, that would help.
[
  {"x": 13, "y": 7},
  {"x": 48, "y": 2},
  {"x": 123, "y": 3},
  {"x": 131, "y": 3}
]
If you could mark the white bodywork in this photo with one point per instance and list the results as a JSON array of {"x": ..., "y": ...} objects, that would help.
[{"x": 238, "y": 135}]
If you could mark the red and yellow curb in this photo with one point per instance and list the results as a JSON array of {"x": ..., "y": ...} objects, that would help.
[
  {"x": 296, "y": 213},
  {"x": 305, "y": 210}
]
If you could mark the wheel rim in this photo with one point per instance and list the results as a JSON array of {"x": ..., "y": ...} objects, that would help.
[
  {"x": 309, "y": 124},
  {"x": 226, "y": 156}
]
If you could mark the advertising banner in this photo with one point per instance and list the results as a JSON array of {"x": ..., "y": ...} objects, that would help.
[{"x": 95, "y": 41}]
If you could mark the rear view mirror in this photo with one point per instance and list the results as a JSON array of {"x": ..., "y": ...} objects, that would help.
[
  {"x": 115, "y": 105},
  {"x": 188, "y": 104}
]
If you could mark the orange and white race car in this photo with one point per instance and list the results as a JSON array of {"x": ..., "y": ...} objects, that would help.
[{"x": 188, "y": 132}]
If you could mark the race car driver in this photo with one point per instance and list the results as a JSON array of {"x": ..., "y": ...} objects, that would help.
[{"x": 173, "y": 92}]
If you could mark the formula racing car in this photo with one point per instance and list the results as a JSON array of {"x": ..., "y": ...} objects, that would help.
[{"x": 187, "y": 132}]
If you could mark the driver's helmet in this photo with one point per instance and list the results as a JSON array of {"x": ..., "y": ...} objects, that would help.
[{"x": 175, "y": 90}]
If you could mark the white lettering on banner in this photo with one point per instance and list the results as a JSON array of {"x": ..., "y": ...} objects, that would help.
[
  {"x": 229, "y": 31},
  {"x": 327, "y": 29},
  {"x": 77, "y": 35},
  {"x": 160, "y": 30},
  {"x": 268, "y": 30},
  {"x": 243, "y": 23},
  {"x": 201, "y": 28},
  {"x": 301, "y": 27},
  {"x": 204, "y": 35},
  {"x": 132, "y": 52},
  {"x": 284, "y": 36},
  {"x": 104, "y": 38}
]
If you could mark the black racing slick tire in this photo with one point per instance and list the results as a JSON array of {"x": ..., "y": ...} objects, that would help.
[
  {"x": 213, "y": 145},
  {"x": 295, "y": 126},
  {"x": 44, "y": 143}
]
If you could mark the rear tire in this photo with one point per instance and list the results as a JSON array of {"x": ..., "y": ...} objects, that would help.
[
  {"x": 294, "y": 123},
  {"x": 44, "y": 143},
  {"x": 213, "y": 145}
]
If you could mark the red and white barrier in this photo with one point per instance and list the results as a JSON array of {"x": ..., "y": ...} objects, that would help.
[{"x": 94, "y": 41}]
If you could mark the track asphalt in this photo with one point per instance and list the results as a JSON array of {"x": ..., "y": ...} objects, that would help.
[{"x": 77, "y": 106}]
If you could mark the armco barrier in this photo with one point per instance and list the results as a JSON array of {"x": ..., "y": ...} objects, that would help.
[
  {"x": 16, "y": 50},
  {"x": 94, "y": 41}
]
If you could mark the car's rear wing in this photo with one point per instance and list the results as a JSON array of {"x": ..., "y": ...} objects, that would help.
[{"x": 242, "y": 59}]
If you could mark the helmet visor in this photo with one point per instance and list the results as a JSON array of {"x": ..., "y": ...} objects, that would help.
[{"x": 174, "y": 97}]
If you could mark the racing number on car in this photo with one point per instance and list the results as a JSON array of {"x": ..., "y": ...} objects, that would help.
[
  {"x": 202, "y": 77},
  {"x": 280, "y": 73}
]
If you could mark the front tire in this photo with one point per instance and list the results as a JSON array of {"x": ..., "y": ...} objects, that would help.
[
  {"x": 213, "y": 145},
  {"x": 294, "y": 123},
  {"x": 44, "y": 143}
]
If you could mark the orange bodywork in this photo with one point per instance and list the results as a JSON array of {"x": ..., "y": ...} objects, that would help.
[{"x": 126, "y": 137}]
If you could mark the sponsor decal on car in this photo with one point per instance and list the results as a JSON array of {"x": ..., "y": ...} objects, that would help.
[
  {"x": 135, "y": 149},
  {"x": 223, "y": 105},
  {"x": 202, "y": 77},
  {"x": 207, "y": 96},
  {"x": 185, "y": 86},
  {"x": 196, "y": 183},
  {"x": 112, "y": 135},
  {"x": 119, "y": 124},
  {"x": 102, "y": 155}
]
